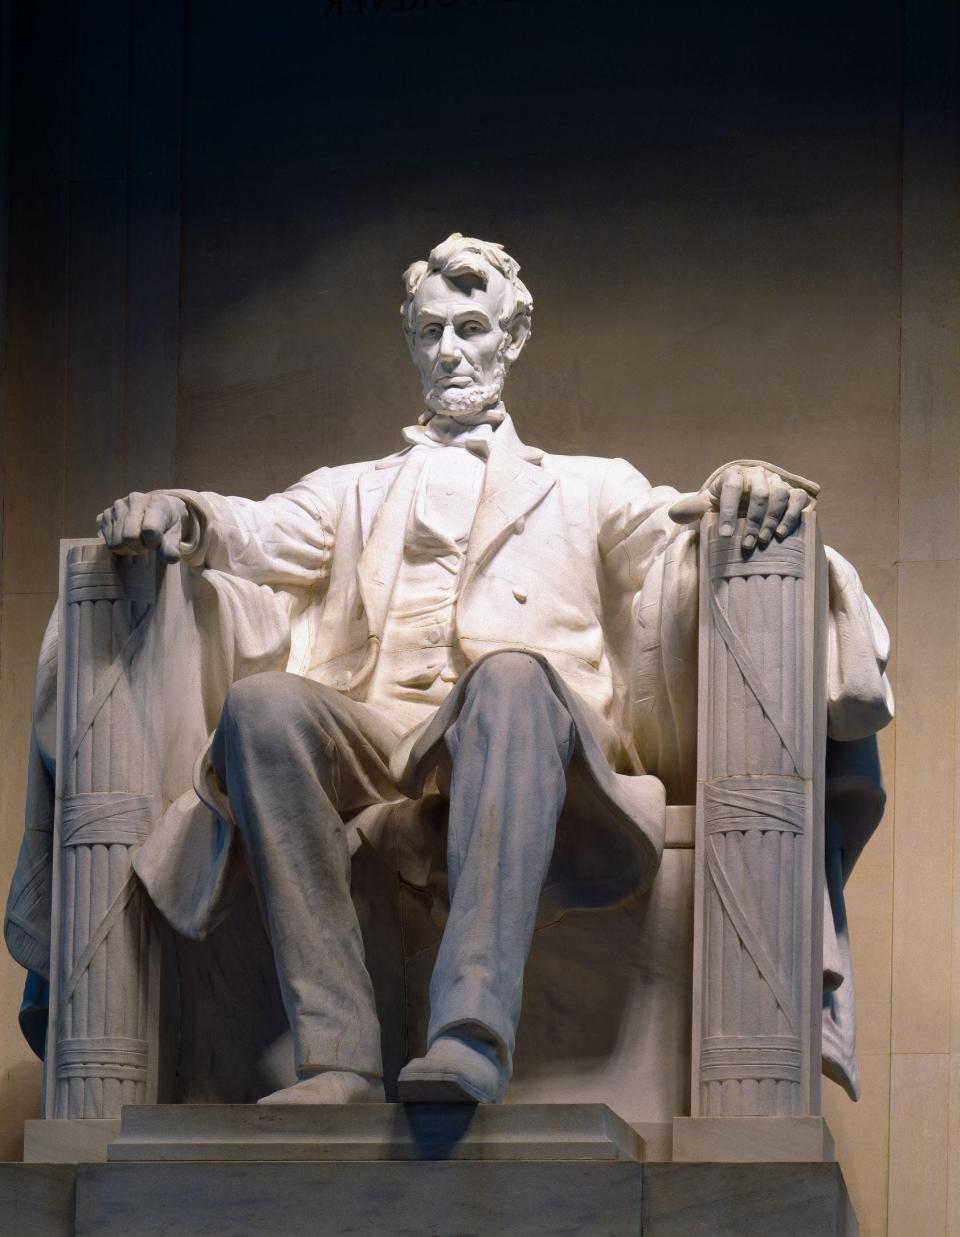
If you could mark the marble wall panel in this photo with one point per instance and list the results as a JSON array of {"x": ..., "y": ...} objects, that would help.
[
  {"x": 953, "y": 1147},
  {"x": 930, "y": 425},
  {"x": 95, "y": 346},
  {"x": 153, "y": 245},
  {"x": 22, "y": 621},
  {"x": 919, "y": 1104},
  {"x": 869, "y": 893},
  {"x": 34, "y": 405},
  {"x": 926, "y": 754},
  {"x": 861, "y": 1132}
]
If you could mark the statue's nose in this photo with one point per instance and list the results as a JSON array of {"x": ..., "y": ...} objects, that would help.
[{"x": 449, "y": 348}]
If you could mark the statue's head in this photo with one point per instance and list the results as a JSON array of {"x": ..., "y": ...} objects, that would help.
[{"x": 466, "y": 316}]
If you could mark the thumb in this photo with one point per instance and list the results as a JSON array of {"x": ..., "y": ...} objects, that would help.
[
  {"x": 170, "y": 545},
  {"x": 692, "y": 506}
]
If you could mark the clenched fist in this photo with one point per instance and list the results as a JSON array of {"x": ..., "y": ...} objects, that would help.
[{"x": 142, "y": 522}]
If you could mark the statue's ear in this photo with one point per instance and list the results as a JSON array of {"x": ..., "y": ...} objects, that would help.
[{"x": 519, "y": 332}]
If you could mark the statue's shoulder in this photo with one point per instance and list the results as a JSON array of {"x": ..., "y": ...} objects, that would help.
[
  {"x": 592, "y": 469},
  {"x": 340, "y": 477}
]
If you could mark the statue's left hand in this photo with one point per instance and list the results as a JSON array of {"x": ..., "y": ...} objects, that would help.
[{"x": 770, "y": 500}]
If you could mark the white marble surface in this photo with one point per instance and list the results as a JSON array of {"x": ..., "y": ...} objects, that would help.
[
  {"x": 381, "y": 1132},
  {"x": 76, "y": 1141},
  {"x": 752, "y": 1140}
]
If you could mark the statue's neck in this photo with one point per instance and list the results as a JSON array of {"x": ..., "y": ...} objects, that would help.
[{"x": 445, "y": 428}]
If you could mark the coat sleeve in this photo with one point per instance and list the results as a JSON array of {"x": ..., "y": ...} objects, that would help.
[
  {"x": 283, "y": 540},
  {"x": 650, "y": 583}
]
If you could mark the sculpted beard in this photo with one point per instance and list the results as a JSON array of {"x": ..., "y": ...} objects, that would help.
[{"x": 465, "y": 403}]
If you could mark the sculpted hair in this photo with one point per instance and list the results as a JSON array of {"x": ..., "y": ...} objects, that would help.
[{"x": 465, "y": 261}]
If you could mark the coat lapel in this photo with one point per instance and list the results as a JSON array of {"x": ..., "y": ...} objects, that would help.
[
  {"x": 514, "y": 484},
  {"x": 385, "y": 495}
]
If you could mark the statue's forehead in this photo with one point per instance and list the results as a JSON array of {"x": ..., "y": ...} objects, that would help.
[{"x": 437, "y": 292}]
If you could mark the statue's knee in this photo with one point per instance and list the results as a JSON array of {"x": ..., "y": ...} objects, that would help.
[{"x": 263, "y": 703}]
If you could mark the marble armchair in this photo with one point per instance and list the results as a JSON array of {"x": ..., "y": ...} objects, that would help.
[{"x": 703, "y": 998}]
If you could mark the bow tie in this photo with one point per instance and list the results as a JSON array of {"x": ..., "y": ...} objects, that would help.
[{"x": 476, "y": 440}]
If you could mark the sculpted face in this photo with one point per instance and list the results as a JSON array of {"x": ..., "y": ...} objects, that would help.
[{"x": 459, "y": 346}]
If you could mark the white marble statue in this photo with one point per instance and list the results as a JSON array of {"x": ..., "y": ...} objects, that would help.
[{"x": 469, "y": 613}]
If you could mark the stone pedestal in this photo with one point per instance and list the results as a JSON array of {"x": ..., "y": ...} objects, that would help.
[
  {"x": 584, "y": 1198},
  {"x": 389, "y": 1170}
]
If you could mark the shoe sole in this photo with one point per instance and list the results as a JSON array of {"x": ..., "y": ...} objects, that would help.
[{"x": 440, "y": 1087}]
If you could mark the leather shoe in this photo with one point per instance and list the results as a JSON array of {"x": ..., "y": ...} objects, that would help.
[{"x": 456, "y": 1070}]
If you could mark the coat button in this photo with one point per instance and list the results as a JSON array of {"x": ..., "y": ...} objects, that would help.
[
  {"x": 434, "y": 635},
  {"x": 520, "y": 525},
  {"x": 520, "y": 595}
]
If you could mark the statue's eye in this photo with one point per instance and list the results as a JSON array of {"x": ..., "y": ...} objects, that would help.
[
  {"x": 472, "y": 328},
  {"x": 431, "y": 331}
]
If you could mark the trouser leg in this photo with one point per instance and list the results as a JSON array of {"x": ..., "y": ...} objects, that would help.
[
  {"x": 292, "y": 756},
  {"x": 510, "y": 746}
]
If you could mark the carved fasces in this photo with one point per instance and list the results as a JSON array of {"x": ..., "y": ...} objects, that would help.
[
  {"x": 761, "y": 736},
  {"x": 106, "y": 964}
]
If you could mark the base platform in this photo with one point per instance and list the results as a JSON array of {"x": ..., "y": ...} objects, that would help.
[{"x": 407, "y": 1171}]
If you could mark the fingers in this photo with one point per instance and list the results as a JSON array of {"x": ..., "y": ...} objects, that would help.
[
  {"x": 111, "y": 523},
  {"x": 142, "y": 522},
  {"x": 133, "y": 541},
  {"x": 776, "y": 506},
  {"x": 798, "y": 500},
  {"x": 731, "y": 492},
  {"x": 692, "y": 507},
  {"x": 158, "y": 520},
  {"x": 756, "y": 479},
  {"x": 170, "y": 545},
  {"x": 773, "y": 507}
]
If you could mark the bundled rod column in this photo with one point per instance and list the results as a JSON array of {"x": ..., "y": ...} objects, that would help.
[
  {"x": 105, "y": 969},
  {"x": 759, "y": 893}
]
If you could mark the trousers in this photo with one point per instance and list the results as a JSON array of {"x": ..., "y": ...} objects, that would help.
[{"x": 296, "y": 758}]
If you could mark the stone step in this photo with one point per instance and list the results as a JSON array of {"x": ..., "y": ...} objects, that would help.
[{"x": 351, "y": 1132}]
